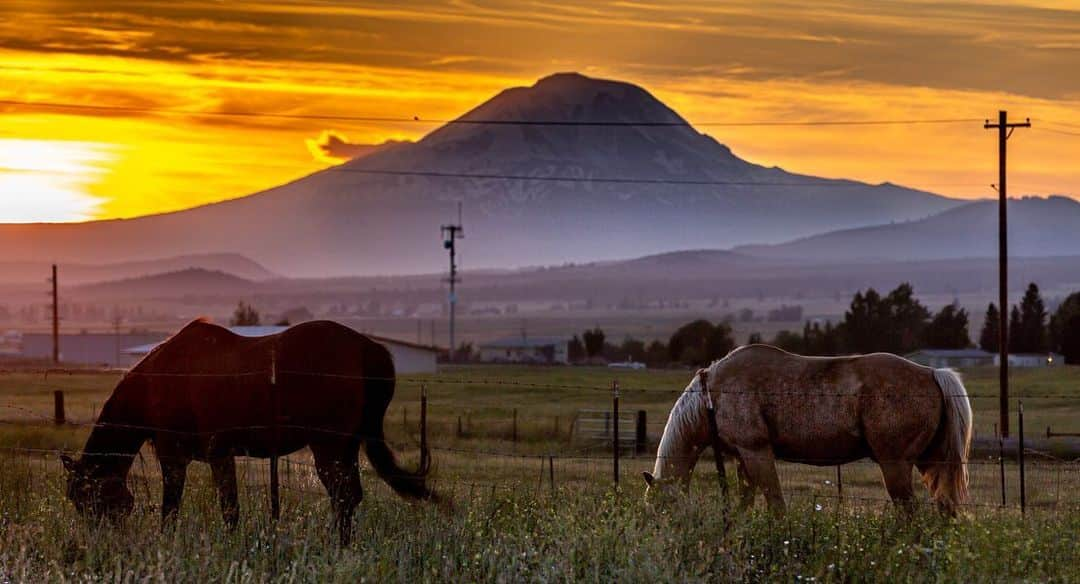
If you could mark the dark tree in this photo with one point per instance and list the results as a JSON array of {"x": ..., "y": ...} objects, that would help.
[
  {"x": 789, "y": 341},
  {"x": 699, "y": 342},
  {"x": 1014, "y": 330},
  {"x": 991, "y": 331},
  {"x": 1032, "y": 331},
  {"x": 657, "y": 354},
  {"x": 575, "y": 350},
  {"x": 245, "y": 315},
  {"x": 633, "y": 350},
  {"x": 948, "y": 329},
  {"x": 909, "y": 318},
  {"x": 594, "y": 342},
  {"x": 1070, "y": 340},
  {"x": 1062, "y": 325}
]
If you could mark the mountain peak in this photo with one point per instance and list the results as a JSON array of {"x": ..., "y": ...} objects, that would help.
[{"x": 573, "y": 97}]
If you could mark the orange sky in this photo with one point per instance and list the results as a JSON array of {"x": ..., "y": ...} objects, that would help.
[{"x": 733, "y": 61}]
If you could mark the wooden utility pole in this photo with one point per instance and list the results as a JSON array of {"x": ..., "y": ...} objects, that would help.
[
  {"x": 1004, "y": 129},
  {"x": 55, "y": 318},
  {"x": 451, "y": 233}
]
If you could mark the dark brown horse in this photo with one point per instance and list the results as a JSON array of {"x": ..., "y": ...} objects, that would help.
[{"x": 208, "y": 394}]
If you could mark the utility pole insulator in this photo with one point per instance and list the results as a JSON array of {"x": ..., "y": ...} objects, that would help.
[{"x": 1004, "y": 128}]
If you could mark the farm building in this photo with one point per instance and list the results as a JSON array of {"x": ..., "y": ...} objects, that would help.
[
  {"x": 526, "y": 350},
  {"x": 408, "y": 357},
  {"x": 952, "y": 357},
  {"x": 1033, "y": 360},
  {"x": 86, "y": 348}
]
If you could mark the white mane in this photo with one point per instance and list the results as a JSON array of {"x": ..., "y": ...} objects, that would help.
[{"x": 676, "y": 450}]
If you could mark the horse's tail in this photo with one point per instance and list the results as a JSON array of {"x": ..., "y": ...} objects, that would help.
[{"x": 945, "y": 469}]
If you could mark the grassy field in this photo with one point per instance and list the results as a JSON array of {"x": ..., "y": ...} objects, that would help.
[{"x": 514, "y": 514}]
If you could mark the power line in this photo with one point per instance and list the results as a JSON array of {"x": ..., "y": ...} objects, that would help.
[
  {"x": 823, "y": 183},
  {"x": 1056, "y": 131},
  {"x": 485, "y": 122}
]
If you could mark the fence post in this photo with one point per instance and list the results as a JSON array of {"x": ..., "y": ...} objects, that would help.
[
  {"x": 275, "y": 500},
  {"x": 405, "y": 420},
  {"x": 641, "y": 436},
  {"x": 1001, "y": 467},
  {"x": 615, "y": 429},
  {"x": 423, "y": 427},
  {"x": 839, "y": 485},
  {"x": 515, "y": 426},
  {"x": 58, "y": 408},
  {"x": 551, "y": 472},
  {"x": 460, "y": 433},
  {"x": 1020, "y": 456}
]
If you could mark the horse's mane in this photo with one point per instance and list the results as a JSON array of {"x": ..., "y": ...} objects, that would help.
[{"x": 688, "y": 413}]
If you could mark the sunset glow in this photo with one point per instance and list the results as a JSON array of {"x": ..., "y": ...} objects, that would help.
[{"x": 177, "y": 64}]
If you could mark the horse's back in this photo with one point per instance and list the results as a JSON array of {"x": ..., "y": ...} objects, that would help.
[
  {"x": 314, "y": 380},
  {"x": 830, "y": 409}
]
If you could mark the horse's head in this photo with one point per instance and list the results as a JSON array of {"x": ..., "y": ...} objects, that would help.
[
  {"x": 96, "y": 496},
  {"x": 660, "y": 490}
]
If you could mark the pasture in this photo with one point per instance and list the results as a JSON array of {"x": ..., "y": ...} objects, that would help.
[{"x": 541, "y": 507}]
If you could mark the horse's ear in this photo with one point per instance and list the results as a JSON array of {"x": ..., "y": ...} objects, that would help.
[
  {"x": 69, "y": 463},
  {"x": 648, "y": 477}
]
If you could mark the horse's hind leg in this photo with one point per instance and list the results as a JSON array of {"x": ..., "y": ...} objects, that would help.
[
  {"x": 224, "y": 473},
  {"x": 761, "y": 471},
  {"x": 339, "y": 471},
  {"x": 897, "y": 477}
]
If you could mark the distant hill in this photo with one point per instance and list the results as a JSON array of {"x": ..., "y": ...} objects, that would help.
[
  {"x": 74, "y": 274},
  {"x": 188, "y": 282},
  {"x": 1038, "y": 227},
  {"x": 362, "y": 218}
]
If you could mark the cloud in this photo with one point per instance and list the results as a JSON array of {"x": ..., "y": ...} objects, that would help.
[{"x": 335, "y": 148}]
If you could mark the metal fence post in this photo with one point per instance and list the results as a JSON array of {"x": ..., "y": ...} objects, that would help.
[
  {"x": 615, "y": 428},
  {"x": 839, "y": 485},
  {"x": 515, "y": 426},
  {"x": 275, "y": 494},
  {"x": 1020, "y": 456},
  {"x": 1001, "y": 466},
  {"x": 423, "y": 427},
  {"x": 641, "y": 435},
  {"x": 551, "y": 472},
  {"x": 59, "y": 417}
]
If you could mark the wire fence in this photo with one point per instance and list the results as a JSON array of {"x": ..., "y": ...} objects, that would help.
[{"x": 477, "y": 449}]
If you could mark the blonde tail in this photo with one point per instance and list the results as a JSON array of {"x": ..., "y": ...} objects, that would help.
[{"x": 946, "y": 474}]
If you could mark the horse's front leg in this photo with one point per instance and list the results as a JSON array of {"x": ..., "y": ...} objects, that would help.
[
  {"x": 747, "y": 490},
  {"x": 223, "y": 470},
  {"x": 761, "y": 470},
  {"x": 173, "y": 477}
]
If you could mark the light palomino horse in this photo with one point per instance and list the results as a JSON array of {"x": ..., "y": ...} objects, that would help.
[{"x": 773, "y": 405}]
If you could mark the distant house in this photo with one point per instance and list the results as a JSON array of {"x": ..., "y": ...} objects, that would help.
[
  {"x": 1033, "y": 360},
  {"x": 526, "y": 350},
  {"x": 86, "y": 348},
  {"x": 952, "y": 357},
  {"x": 408, "y": 357}
]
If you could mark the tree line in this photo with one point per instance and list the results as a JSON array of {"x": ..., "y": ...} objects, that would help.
[{"x": 895, "y": 323}]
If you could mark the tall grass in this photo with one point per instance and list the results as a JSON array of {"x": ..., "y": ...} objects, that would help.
[{"x": 574, "y": 533}]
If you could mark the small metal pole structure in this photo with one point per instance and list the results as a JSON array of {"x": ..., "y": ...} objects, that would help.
[
  {"x": 275, "y": 501},
  {"x": 641, "y": 437},
  {"x": 615, "y": 430},
  {"x": 58, "y": 408},
  {"x": 551, "y": 472},
  {"x": 460, "y": 433},
  {"x": 1020, "y": 455},
  {"x": 839, "y": 485},
  {"x": 515, "y": 426},
  {"x": 1001, "y": 466},
  {"x": 423, "y": 427},
  {"x": 405, "y": 420}
]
